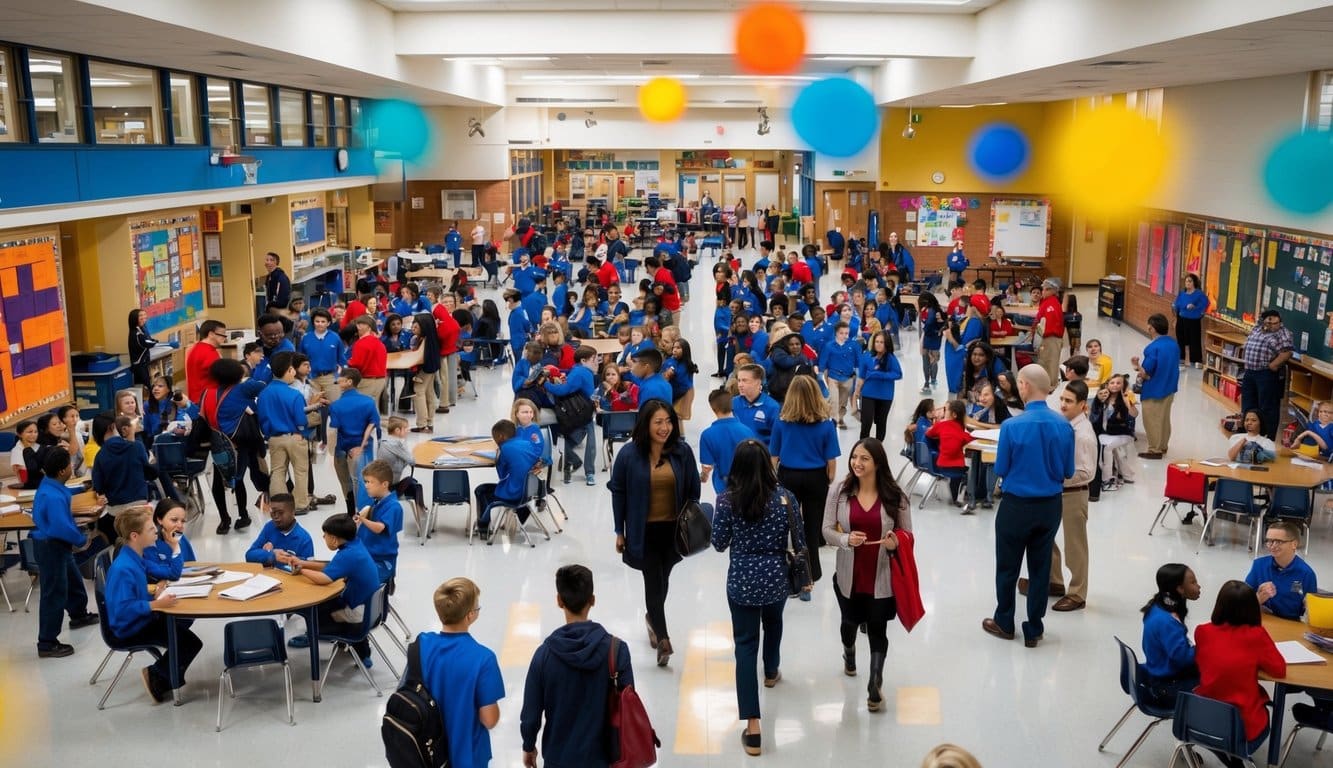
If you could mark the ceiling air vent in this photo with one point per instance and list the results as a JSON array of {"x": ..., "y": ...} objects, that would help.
[
  {"x": 1119, "y": 63},
  {"x": 558, "y": 100},
  {"x": 654, "y": 62}
]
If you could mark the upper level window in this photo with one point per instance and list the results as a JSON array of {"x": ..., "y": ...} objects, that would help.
[
  {"x": 1321, "y": 101},
  {"x": 319, "y": 118},
  {"x": 55, "y": 96},
  {"x": 221, "y": 106},
  {"x": 125, "y": 104},
  {"x": 338, "y": 120},
  {"x": 291, "y": 114},
  {"x": 184, "y": 109},
  {"x": 258, "y": 115},
  {"x": 10, "y": 122},
  {"x": 358, "y": 131}
]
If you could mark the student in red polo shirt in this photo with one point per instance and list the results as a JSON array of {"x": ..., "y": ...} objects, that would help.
[
  {"x": 447, "y": 331},
  {"x": 370, "y": 358},
  {"x": 1049, "y": 326},
  {"x": 671, "y": 296},
  {"x": 607, "y": 275}
]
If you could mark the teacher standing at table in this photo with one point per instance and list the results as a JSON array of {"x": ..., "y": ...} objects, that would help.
[
  {"x": 1049, "y": 328},
  {"x": 1034, "y": 458},
  {"x": 1266, "y": 352}
]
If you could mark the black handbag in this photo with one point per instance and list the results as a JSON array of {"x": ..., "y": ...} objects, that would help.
[
  {"x": 694, "y": 531},
  {"x": 798, "y": 560}
]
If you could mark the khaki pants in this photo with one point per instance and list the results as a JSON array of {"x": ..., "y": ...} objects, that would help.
[
  {"x": 839, "y": 395},
  {"x": 1157, "y": 422},
  {"x": 1048, "y": 357},
  {"x": 1074, "y": 522},
  {"x": 423, "y": 398},
  {"x": 448, "y": 377},
  {"x": 327, "y": 385},
  {"x": 374, "y": 389},
  {"x": 289, "y": 451},
  {"x": 343, "y": 466}
]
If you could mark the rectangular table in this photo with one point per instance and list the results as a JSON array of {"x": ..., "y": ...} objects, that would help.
[
  {"x": 298, "y": 595},
  {"x": 1298, "y": 676},
  {"x": 1015, "y": 271},
  {"x": 604, "y": 347}
]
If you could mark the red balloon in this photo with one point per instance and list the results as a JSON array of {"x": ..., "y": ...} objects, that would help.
[{"x": 770, "y": 39}]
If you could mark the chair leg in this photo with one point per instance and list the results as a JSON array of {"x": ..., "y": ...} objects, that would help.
[
  {"x": 100, "y": 667},
  {"x": 1161, "y": 513},
  {"x": 1319, "y": 745},
  {"x": 32, "y": 584},
  {"x": 291, "y": 701},
  {"x": 393, "y": 613},
  {"x": 1286, "y": 745},
  {"x": 5, "y": 592},
  {"x": 102, "y": 704},
  {"x": 1139, "y": 741},
  {"x": 1115, "y": 728},
  {"x": 398, "y": 642},
  {"x": 365, "y": 672},
  {"x": 1208, "y": 523},
  {"x": 383, "y": 656},
  {"x": 222, "y": 682}
]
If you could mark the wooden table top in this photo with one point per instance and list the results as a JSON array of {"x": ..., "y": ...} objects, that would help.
[
  {"x": 909, "y": 298},
  {"x": 402, "y": 361},
  {"x": 1305, "y": 675},
  {"x": 297, "y": 592},
  {"x": 425, "y": 453},
  {"x": 17, "y": 522},
  {"x": 603, "y": 346},
  {"x": 1280, "y": 472},
  {"x": 442, "y": 274},
  {"x": 83, "y": 504},
  {"x": 1026, "y": 310}
]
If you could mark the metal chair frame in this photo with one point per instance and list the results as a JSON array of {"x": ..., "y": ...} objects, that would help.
[{"x": 1129, "y": 683}]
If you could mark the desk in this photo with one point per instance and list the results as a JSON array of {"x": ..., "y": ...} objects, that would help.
[
  {"x": 442, "y": 275},
  {"x": 1015, "y": 271},
  {"x": 1281, "y": 472},
  {"x": 400, "y": 364},
  {"x": 1298, "y": 676},
  {"x": 604, "y": 347},
  {"x": 298, "y": 595},
  {"x": 418, "y": 257},
  {"x": 909, "y": 299},
  {"x": 461, "y": 448}
]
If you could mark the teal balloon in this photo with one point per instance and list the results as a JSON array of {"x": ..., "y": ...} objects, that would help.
[
  {"x": 398, "y": 127},
  {"x": 998, "y": 152},
  {"x": 836, "y": 117},
  {"x": 1298, "y": 174}
]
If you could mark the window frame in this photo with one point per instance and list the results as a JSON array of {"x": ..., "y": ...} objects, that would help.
[
  {"x": 13, "y": 112},
  {"x": 78, "y": 74},
  {"x": 243, "y": 112}
]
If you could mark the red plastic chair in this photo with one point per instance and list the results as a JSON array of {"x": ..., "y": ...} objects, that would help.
[{"x": 1182, "y": 487}]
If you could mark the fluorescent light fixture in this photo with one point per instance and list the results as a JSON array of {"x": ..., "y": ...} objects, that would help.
[
  {"x": 44, "y": 103},
  {"x": 793, "y": 78},
  {"x": 493, "y": 59},
  {"x": 851, "y": 58},
  {"x": 526, "y": 58},
  {"x": 103, "y": 82},
  {"x": 607, "y": 78},
  {"x": 969, "y": 106}
]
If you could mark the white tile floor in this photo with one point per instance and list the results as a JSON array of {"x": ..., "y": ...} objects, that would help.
[{"x": 947, "y": 681}]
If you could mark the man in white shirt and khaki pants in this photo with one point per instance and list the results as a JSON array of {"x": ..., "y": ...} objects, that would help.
[{"x": 1074, "y": 502}]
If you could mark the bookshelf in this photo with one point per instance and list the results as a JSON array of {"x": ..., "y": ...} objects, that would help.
[
  {"x": 1222, "y": 365},
  {"x": 1309, "y": 381}
]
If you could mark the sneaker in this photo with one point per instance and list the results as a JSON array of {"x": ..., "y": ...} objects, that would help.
[
  {"x": 86, "y": 620},
  {"x": 592, "y": 480},
  {"x": 224, "y": 527},
  {"x": 327, "y": 498},
  {"x": 54, "y": 650},
  {"x": 367, "y": 662},
  {"x": 299, "y": 512},
  {"x": 1110, "y": 485},
  {"x": 157, "y": 690},
  {"x": 299, "y": 641},
  {"x": 243, "y": 523},
  {"x": 925, "y": 390},
  {"x": 986, "y": 505},
  {"x": 1198, "y": 365},
  {"x": 805, "y": 596},
  {"x": 321, "y": 448}
]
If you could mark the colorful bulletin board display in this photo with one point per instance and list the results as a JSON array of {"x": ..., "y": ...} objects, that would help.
[
  {"x": 307, "y": 224},
  {"x": 1234, "y": 272},
  {"x": 1195, "y": 238},
  {"x": 1159, "y": 247},
  {"x": 935, "y": 228},
  {"x": 167, "y": 270},
  {"x": 1020, "y": 229},
  {"x": 34, "y": 351},
  {"x": 1296, "y": 282}
]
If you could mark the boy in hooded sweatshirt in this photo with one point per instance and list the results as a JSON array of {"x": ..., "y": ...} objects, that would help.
[{"x": 566, "y": 682}]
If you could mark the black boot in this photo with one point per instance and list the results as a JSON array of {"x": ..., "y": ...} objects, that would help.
[
  {"x": 849, "y": 660},
  {"x": 875, "y": 701}
]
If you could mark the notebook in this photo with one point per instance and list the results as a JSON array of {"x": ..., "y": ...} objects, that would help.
[
  {"x": 183, "y": 592},
  {"x": 251, "y": 588},
  {"x": 1295, "y": 653}
]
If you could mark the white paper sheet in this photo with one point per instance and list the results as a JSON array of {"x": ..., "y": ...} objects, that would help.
[
  {"x": 201, "y": 590},
  {"x": 1296, "y": 653}
]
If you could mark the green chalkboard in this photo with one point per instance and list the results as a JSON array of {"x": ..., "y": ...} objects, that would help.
[
  {"x": 1297, "y": 283},
  {"x": 1235, "y": 272}
]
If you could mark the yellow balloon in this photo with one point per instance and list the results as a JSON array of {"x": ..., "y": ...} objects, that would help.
[
  {"x": 1110, "y": 160},
  {"x": 662, "y": 99}
]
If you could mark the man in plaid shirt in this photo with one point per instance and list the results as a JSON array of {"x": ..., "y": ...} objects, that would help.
[{"x": 1266, "y": 353}]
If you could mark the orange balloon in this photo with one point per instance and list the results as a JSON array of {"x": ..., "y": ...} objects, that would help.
[{"x": 770, "y": 39}]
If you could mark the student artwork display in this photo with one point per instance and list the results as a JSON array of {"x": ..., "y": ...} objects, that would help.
[
  {"x": 1299, "y": 270},
  {"x": 1159, "y": 248},
  {"x": 34, "y": 351},
  {"x": 936, "y": 227},
  {"x": 1234, "y": 272},
  {"x": 167, "y": 269}
]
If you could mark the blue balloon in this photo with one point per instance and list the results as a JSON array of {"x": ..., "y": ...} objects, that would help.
[
  {"x": 1298, "y": 174},
  {"x": 397, "y": 127},
  {"x": 836, "y": 117},
  {"x": 998, "y": 151}
]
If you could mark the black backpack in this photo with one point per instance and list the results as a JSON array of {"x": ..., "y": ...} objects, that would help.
[
  {"x": 573, "y": 412},
  {"x": 413, "y": 724}
]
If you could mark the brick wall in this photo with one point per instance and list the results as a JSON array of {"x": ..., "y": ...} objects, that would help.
[
  {"x": 426, "y": 226},
  {"x": 976, "y": 238}
]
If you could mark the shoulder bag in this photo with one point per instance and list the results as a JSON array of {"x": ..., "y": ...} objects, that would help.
[
  {"x": 694, "y": 531},
  {"x": 631, "y": 740},
  {"x": 798, "y": 559}
]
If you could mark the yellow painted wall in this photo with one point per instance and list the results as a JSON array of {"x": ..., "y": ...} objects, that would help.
[
  {"x": 238, "y": 276},
  {"x": 272, "y": 227},
  {"x": 115, "y": 280},
  {"x": 360, "y": 216},
  {"x": 1087, "y": 255},
  {"x": 81, "y": 272}
]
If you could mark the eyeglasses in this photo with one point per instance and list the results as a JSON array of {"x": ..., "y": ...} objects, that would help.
[{"x": 1276, "y": 542}]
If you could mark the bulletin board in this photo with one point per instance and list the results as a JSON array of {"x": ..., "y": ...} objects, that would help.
[
  {"x": 167, "y": 270},
  {"x": 1020, "y": 229},
  {"x": 1297, "y": 279},
  {"x": 34, "y": 348},
  {"x": 1234, "y": 272},
  {"x": 936, "y": 227},
  {"x": 1159, "y": 247},
  {"x": 307, "y": 224}
]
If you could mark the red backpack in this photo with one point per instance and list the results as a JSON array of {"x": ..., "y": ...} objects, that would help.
[{"x": 632, "y": 740}]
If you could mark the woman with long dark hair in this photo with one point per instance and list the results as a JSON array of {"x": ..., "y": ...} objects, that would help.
[
  {"x": 140, "y": 346},
  {"x": 658, "y": 469},
  {"x": 876, "y": 377},
  {"x": 222, "y": 408},
  {"x": 980, "y": 369},
  {"x": 753, "y": 519},
  {"x": 805, "y": 448},
  {"x": 424, "y": 400},
  {"x": 1168, "y": 657},
  {"x": 1190, "y": 305},
  {"x": 860, "y": 517}
]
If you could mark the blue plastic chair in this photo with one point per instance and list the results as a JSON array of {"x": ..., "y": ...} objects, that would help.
[
  {"x": 176, "y": 466},
  {"x": 1208, "y": 723},
  {"x": 1130, "y": 683},
  {"x": 1234, "y": 500},
  {"x": 376, "y": 610},
  {"x": 1293, "y": 505},
  {"x": 448, "y": 487},
  {"x": 1307, "y": 716},
  {"x": 100, "y": 566},
  {"x": 253, "y": 643},
  {"x": 617, "y": 426},
  {"x": 925, "y": 463},
  {"x": 530, "y": 502}
]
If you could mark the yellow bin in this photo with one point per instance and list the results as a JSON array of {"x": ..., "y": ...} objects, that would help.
[{"x": 1319, "y": 612}]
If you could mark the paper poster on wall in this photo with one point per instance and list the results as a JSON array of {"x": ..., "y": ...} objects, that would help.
[
  {"x": 168, "y": 269},
  {"x": 909, "y": 235},
  {"x": 909, "y": 217},
  {"x": 34, "y": 351},
  {"x": 647, "y": 182},
  {"x": 1020, "y": 229},
  {"x": 935, "y": 228},
  {"x": 307, "y": 214}
]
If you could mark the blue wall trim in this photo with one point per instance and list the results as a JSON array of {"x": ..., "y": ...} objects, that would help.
[{"x": 33, "y": 176}]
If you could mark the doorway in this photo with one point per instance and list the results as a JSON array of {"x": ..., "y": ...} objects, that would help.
[
  {"x": 689, "y": 189},
  {"x": 834, "y": 209},
  {"x": 765, "y": 191},
  {"x": 733, "y": 189}
]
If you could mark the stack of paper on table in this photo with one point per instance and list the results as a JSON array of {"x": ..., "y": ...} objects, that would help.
[
  {"x": 987, "y": 434},
  {"x": 10, "y": 509},
  {"x": 449, "y": 460},
  {"x": 183, "y": 591},
  {"x": 253, "y": 587},
  {"x": 1295, "y": 653}
]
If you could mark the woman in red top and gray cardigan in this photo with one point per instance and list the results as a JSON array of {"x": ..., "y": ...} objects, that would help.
[{"x": 860, "y": 516}]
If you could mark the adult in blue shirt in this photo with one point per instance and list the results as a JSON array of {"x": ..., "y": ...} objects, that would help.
[
  {"x": 273, "y": 339},
  {"x": 453, "y": 244},
  {"x": 53, "y": 543},
  {"x": 580, "y": 380},
  {"x": 805, "y": 444},
  {"x": 132, "y": 616},
  {"x": 355, "y": 418},
  {"x": 223, "y": 408},
  {"x": 1168, "y": 656},
  {"x": 463, "y": 675},
  {"x": 1281, "y": 578},
  {"x": 836, "y": 242},
  {"x": 281, "y": 534},
  {"x": 956, "y": 262},
  {"x": 1034, "y": 458},
  {"x": 520, "y": 327},
  {"x": 902, "y": 258},
  {"x": 717, "y": 444},
  {"x": 1190, "y": 305},
  {"x": 352, "y": 563},
  {"x": 753, "y": 406},
  {"x": 1160, "y": 377}
]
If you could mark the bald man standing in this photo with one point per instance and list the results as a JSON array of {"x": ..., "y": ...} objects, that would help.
[{"x": 1034, "y": 458}]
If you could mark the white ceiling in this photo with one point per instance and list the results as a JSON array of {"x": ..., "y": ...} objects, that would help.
[{"x": 833, "y": 6}]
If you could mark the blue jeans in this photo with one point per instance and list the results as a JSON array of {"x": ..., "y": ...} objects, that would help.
[
  {"x": 587, "y": 434},
  {"x": 746, "y": 621},
  {"x": 62, "y": 589}
]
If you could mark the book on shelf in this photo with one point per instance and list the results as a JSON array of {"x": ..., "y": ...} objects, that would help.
[
  {"x": 251, "y": 588},
  {"x": 1229, "y": 349}
]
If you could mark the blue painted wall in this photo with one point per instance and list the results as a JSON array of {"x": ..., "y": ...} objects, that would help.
[{"x": 54, "y": 175}]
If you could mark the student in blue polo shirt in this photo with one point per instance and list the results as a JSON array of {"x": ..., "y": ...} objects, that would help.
[
  {"x": 281, "y": 411},
  {"x": 1281, "y": 578},
  {"x": 167, "y": 558},
  {"x": 352, "y": 563},
  {"x": 718, "y": 442},
  {"x": 839, "y": 361},
  {"x": 281, "y": 534},
  {"x": 753, "y": 406},
  {"x": 327, "y": 353},
  {"x": 131, "y": 614},
  {"x": 534, "y": 302},
  {"x": 378, "y": 527},
  {"x": 645, "y": 372},
  {"x": 560, "y": 293},
  {"x": 817, "y": 331},
  {"x": 355, "y": 418},
  {"x": 526, "y": 275},
  {"x": 581, "y": 379},
  {"x": 514, "y": 461},
  {"x": 520, "y": 327},
  {"x": 54, "y": 539}
]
